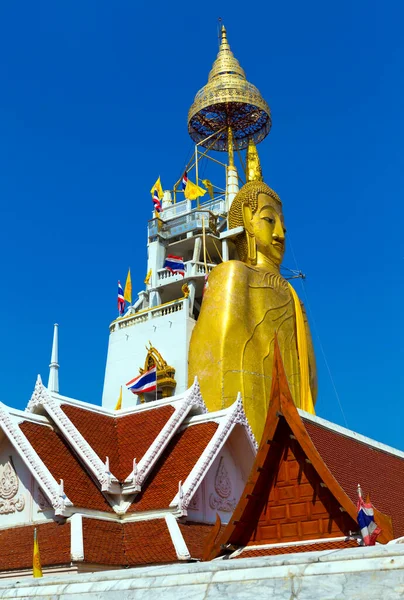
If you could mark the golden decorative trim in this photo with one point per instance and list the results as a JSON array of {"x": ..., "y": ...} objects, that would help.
[
  {"x": 185, "y": 290},
  {"x": 228, "y": 98},
  {"x": 165, "y": 373}
]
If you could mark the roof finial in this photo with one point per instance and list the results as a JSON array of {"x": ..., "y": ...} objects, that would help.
[
  {"x": 53, "y": 382},
  {"x": 228, "y": 100},
  {"x": 253, "y": 165}
]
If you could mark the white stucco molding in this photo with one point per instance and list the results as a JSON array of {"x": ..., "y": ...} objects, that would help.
[
  {"x": 99, "y": 469},
  {"x": 235, "y": 416},
  {"x": 192, "y": 399},
  {"x": 76, "y": 537},
  {"x": 177, "y": 539},
  {"x": 49, "y": 486}
]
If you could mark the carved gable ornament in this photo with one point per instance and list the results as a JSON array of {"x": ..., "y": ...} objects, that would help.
[
  {"x": 223, "y": 488},
  {"x": 9, "y": 501},
  {"x": 165, "y": 374}
]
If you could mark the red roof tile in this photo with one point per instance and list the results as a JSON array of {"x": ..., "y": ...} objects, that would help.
[
  {"x": 63, "y": 464},
  {"x": 174, "y": 465},
  {"x": 298, "y": 548},
  {"x": 99, "y": 432},
  {"x": 195, "y": 535},
  {"x": 148, "y": 542},
  {"x": 103, "y": 542},
  {"x": 136, "y": 433},
  {"x": 17, "y": 544},
  {"x": 351, "y": 462},
  {"x": 120, "y": 438},
  {"x": 107, "y": 543},
  {"x": 127, "y": 544}
]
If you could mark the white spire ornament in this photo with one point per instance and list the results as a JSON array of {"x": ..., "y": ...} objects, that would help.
[{"x": 53, "y": 382}]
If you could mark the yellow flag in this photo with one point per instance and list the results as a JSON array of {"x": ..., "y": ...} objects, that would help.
[
  {"x": 119, "y": 403},
  {"x": 209, "y": 187},
  {"x": 148, "y": 276},
  {"x": 157, "y": 186},
  {"x": 193, "y": 191},
  {"x": 36, "y": 561},
  {"x": 128, "y": 289}
]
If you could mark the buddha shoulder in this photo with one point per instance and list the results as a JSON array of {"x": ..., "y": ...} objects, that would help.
[{"x": 233, "y": 271}]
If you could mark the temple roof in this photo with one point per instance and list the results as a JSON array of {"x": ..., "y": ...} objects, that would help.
[
  {"x": 133, "y": 513},
  {"x": 113, "y": 544},
  {"x": 113, "y": 436},
  {"x": 174, "y": 465},
  {"x": 354, "y": 459},
  {"x": 53, "y": 450},
  {"x": 117, "y": 480},
  {"x": 307, "y": 468},
  {"x": 142, "y": 453}
]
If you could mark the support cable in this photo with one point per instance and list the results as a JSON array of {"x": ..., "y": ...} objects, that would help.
[{"x": 312, "y": 319}]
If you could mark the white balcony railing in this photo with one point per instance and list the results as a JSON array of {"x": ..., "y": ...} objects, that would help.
[
  {"x": 192, "y": 269},
  {"x": 149, "y": 313}
]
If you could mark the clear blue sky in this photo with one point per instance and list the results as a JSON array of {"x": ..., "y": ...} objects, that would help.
[{"x": 94, "y": 106}]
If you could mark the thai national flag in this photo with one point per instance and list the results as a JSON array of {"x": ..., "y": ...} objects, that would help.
[
  {"x": 184, "y": 180},
  {"x": 366, "y": 521},
  {"x": 121, "y": 299},
  {"x": 175, "y": 264},
  {"x": 156, "y": 202},
  {"x": 147, "y": 382}
]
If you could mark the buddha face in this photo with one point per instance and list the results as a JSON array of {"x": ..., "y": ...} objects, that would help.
[{"x": 267, "y": 226}]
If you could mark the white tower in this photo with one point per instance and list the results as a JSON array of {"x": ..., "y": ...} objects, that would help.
[
  {"x": 53, "y": 382},
  {"x": 227, "y": 114}
]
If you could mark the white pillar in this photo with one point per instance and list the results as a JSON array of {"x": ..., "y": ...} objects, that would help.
[
  {"x": 167, "y": 199},
  {"x": 225, "y": 250},
  {"x": 76, "y": 537},
  {"x": 232, "y": 185},
  {"x": 196, "y": 257},
  {"x": 53, "y": 382}
]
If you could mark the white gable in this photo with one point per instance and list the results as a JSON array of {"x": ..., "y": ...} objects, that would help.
[
  {"x": 223, "y": 484},
  {"x": 21, "y": 501}
]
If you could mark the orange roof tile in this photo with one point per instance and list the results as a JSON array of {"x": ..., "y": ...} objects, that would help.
[
  {"x": 120, "y": 438},
  {"x": 63, "y": 464},
  {"x": 17, "y": 545},
  {"x": 127, "y": 544},
  {"x": 103, "y": 542},
  {"x": 174, "y": 465},
  {"x": 352, "y": 461},
  {"x": 195, "y": 535},
  {"x": 148, "y": 542},
  {"x": 315, "y": 547},
  {"x": 136, "y": 433}
]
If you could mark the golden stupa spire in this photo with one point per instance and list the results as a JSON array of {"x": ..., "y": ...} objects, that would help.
[
  {"x": 225, "y": 62},
  {"x": 230, "y": 147},
  {"x": 228, "y": 102},
  {"x": 253, "y": 169}
]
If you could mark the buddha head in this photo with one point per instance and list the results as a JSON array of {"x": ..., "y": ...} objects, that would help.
[{"x": 258, "y": 209}]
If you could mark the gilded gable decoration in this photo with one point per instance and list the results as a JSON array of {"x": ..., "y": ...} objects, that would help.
[{"x": 165, "y": 374}]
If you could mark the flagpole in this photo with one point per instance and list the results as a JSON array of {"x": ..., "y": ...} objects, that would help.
[
  {"x": 196, "y": 165},
  {"x": 204, "y": 243}
]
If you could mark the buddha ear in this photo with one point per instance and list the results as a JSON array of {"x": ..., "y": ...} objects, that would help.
[
  {"x": 249, "y": 233},
  {"x": 247, "y": 218}
]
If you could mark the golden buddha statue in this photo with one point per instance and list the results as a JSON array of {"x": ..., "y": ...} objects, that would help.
[{"x": 246, "y": 304}]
